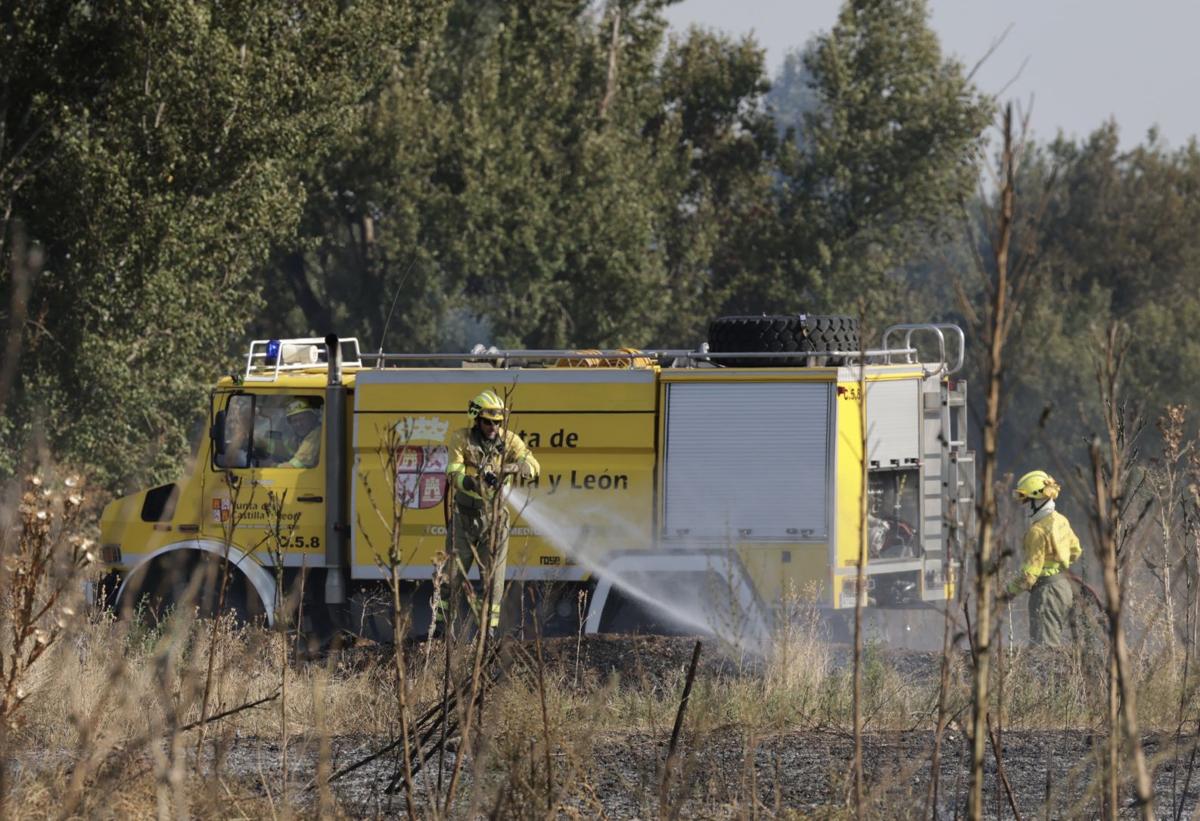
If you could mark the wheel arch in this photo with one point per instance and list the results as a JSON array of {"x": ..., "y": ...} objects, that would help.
[{"x": 259, "y": 578}]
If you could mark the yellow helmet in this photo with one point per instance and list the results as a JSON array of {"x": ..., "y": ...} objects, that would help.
[
  {"x": 1037, "y": 484},
  {"x": 298, "y": 406},
  {"x": 486, "y": 405}
]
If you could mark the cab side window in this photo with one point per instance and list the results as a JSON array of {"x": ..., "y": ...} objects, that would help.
[{"x": 302, "y": 417}]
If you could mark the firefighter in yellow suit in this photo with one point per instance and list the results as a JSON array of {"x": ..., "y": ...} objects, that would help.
[
  {"x": 305, "y": 421},
  {"x": 483, "y": 458},
  {"x": 1049, "y": 548}
]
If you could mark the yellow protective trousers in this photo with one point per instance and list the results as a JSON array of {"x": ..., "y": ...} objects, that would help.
[{"x": 477, "y": 532}]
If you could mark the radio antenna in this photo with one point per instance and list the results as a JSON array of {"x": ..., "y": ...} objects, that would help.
[{"x": 392, "y": 310}]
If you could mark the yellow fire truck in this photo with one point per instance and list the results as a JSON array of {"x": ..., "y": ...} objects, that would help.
[{"x": 760, "y": 462}]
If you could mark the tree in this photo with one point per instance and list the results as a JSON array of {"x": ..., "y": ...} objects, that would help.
[
  {"x": 157, "y": 149},
  {"x": 1123, "y": 228},
  {"x": 887, "y": 154},
  {"x": 1117, "y": 244},
  {"x": 722, "y": 232},
  {"x": 547, "y": 171}
]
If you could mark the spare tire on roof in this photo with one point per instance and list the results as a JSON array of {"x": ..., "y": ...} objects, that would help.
[{"x": 808, "y": 335}]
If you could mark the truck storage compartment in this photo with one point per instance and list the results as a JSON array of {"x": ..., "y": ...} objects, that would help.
[{"x": 747, "y": 461}]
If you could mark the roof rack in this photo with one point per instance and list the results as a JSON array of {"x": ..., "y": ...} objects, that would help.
[
  {"x": 268, "y": 358},
  {"x": 670, "y": 357}
]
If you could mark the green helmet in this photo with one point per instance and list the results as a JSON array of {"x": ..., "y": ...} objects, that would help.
[{"x": 486, "y": 405}]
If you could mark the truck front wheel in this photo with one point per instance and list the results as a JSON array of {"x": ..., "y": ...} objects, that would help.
[{"x": 189, "y": 580}]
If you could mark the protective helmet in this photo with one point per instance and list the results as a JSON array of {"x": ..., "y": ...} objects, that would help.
[
  {"x": 298, "y": 406},
  {"x": 486, "y": 405},
  {"x": 1037, "y": 484}
]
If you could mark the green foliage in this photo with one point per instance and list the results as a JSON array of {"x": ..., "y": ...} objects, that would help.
[
  {"x": 553, "y": 178},
  {"x": 539, "y": 173},
  {"x": 506, "y": 176},
  {"x": 1117, "y": 242},
  {"x": 887, "y": 154},
  {"x": 723, "y": 233},
  {"x": 161, "y": 146},
  {"x": 1122, "y": 224}
]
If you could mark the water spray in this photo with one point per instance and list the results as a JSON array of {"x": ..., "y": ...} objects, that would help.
[{"x": 572, "y": 539}]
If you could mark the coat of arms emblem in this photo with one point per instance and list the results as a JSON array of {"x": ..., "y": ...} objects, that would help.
[
  {"x": 421, "y": 469},
  {"x": 421, "y": 475}
]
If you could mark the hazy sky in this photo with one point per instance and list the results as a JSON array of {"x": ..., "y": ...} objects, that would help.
[{"x": 1081, "y": 61}]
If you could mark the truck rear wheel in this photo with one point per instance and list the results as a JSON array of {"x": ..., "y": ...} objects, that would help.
[{"x": 808, "y": 335}]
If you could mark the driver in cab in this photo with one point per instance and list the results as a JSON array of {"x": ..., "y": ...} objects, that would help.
[{"x": 305, "y": 422}]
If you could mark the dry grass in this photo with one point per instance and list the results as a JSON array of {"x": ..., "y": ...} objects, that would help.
[
  {"x": 106, "y": 725},
  {"x": 105, "y": 701}
]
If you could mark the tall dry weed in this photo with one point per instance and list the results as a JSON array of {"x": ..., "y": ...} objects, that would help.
[{"x": 42, "y": 559}]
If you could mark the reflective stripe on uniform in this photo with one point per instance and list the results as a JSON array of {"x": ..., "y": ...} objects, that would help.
[{"x": 1047, "y": 569}]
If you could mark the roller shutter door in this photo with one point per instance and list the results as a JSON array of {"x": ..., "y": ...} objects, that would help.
[
  {"x": 893, "y": 423},
  {"x": 747, "y": 461}
]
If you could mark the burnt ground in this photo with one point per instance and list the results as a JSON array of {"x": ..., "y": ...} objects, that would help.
[
  {"x": 721, "y": 772},
  {"x": 798, "y": 772},
  {"x": 794, "y": 774},
  {"x": 809, "y": 773}
]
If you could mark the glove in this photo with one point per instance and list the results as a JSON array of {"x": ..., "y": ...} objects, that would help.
[
  {"x": 529, "y": 467},
  {"x": 470, "y": 485},
  {"x": 491, "y": 479}
]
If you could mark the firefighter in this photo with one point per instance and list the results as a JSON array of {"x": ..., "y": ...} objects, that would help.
[
  {"x": 1049, "y": 548},
  {"x": 483, "y": 459},
  {"x": 305, "y": 422}
]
